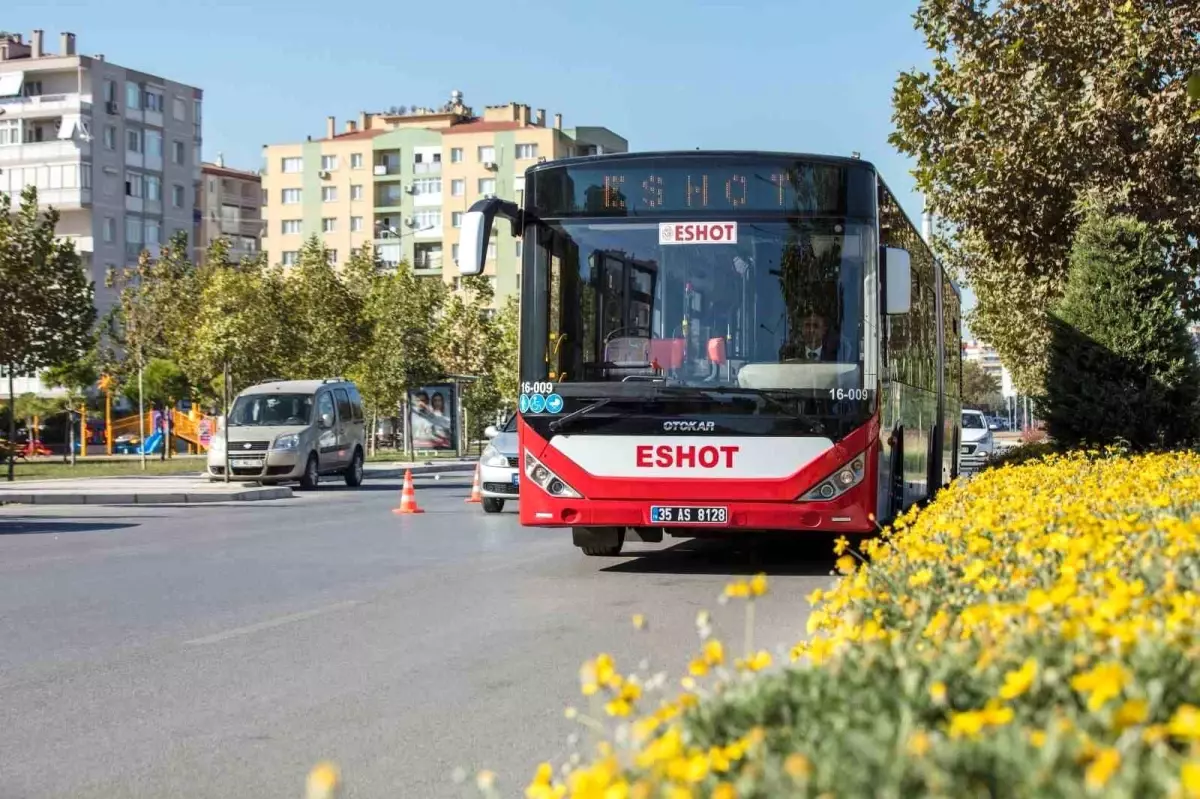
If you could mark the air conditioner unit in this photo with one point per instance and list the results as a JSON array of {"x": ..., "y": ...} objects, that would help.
[
  {"x": 410, "y": 222},
  {"x": 380, "y": 169},
  {"x": 489, "y": 164},
  {"x": 410, "y": 189},
  {"x": 110, "y": 107},
  {"x": 323, "y": 175}
]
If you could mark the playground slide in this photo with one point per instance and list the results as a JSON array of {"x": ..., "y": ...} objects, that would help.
[{"x": 152, "y": 445}]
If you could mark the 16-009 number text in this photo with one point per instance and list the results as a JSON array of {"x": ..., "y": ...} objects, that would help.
[{"x": 850, "y": 394}]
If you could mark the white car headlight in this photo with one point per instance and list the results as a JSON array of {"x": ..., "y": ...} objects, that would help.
[
  {"x": 216, "y": 444},
  {"x": 286, "y": 442},
  {"x": 492, "y": 457}
]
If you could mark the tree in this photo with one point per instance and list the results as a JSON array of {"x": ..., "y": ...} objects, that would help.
[
  {"x": 1122, "y": 365},
  {"x": 503, "y": 358},
  {"x": 400, "y": 312},
  {"x": 326, "y": 317},
  {"x": 465, "y": 346},
  {"x": 980, "y": 389},
  {"x": 46, "y": 299},
  {"x": 1030, "y": 105},
  {"x": 77, "y": 377}
]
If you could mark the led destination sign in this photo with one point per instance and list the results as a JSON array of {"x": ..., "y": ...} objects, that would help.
[{"x": 645, "y": 187}]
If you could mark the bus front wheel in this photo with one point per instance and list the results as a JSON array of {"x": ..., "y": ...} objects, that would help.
[{"x": 599, "y": 542}]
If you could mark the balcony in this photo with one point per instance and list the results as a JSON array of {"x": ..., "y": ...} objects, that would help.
[
  {"x": 245, "y": 201},
  {"x": 83, "y": 244},
  {"x": 434, "y": 168},
  {"x": 44, "y": 151},
  {"x": 387, "y": 169},
  {"x": 45, "y": 105},
  {"x": 242, "y": 227},
  {"x": 61, "y": 199}
]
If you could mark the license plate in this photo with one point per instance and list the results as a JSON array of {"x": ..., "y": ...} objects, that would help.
[
  {"x": 248, "y": 463},
  {"x": 516, "y": 479},
  {"x": 689, "y": 514}
]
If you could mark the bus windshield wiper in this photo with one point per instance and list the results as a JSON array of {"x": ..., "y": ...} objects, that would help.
[{"x": 557, "y": 424}]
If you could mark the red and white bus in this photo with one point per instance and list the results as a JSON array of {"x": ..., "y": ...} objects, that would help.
[{"x": 724, "y": 342}]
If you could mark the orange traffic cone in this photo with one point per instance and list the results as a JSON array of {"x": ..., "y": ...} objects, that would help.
[
  {"x": 408, "y": 497},
  {"x": 476, "y": 495}
]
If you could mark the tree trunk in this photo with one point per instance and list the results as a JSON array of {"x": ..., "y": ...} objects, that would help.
[
  {"x": 71, "y": 435},
  {"x": 225, "y": 431},
  {"x": 12, "y": 423},
  {"x": 141, "y": 419}
]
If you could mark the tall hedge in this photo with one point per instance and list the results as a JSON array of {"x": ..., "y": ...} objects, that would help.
[{"x": 1122, "y": 364}]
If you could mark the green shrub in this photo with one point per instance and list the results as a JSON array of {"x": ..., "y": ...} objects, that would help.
[{"x": 1122, "y": 365}]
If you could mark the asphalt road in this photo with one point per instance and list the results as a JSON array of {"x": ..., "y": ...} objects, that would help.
[{"x": 222, "y": 650}]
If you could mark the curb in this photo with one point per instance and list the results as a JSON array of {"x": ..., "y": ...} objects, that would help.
[
  {"x": 437, "y": 468},
  {"x": 151, "y": 498}
]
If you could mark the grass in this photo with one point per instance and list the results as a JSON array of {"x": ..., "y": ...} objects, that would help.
[{"x": 54, "y": 470}]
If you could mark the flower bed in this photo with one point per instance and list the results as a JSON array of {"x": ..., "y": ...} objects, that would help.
[{"x": 1034, "y": 632}]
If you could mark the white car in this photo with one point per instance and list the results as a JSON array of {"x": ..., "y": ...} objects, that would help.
[
  {"x": 976, "y": 442},
  {"x": 499, "y": 467}
]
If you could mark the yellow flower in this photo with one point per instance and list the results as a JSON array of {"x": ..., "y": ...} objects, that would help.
[
  {"x": 921, "y": 578},
  {"x": 1133, "y": 712},
  {"x": 1101, "y": 684},
  {"x": 1019, "y": 681},
  {"x": 918, "y": 744},
  {"x": 323, "y": 781},
  {"x": 758, "y": 585},
  {"x": 797, "y": 766},
  {"x": 937, "y": 692},
  {"x": 1189, "y": 777},
  {"x": 714, "y": 652},
  {"x": 639, "y": 621},
  {"x": 1038, "y": 738},
  {"x": 1185, "y": 723},
  {"x": 541, "y": 787},
  {"x": 815, "y": 596},
  {"x": 1105, "y": 764},
  {"x": 724, "y": 790},
  {"x": 738, "y": 589},
  {"x": 756, "y": 662},
  {"x": 845, "y": 564},
  {"x": 841, "y": 545}
]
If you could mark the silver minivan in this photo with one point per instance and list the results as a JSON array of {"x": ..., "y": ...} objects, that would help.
[{"x": 290, "y": 430}]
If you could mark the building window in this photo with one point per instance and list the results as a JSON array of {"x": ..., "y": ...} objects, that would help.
[
  {"x": 177, "y": 196},
  {"x": 197, "y": 106},
  {"x": 196, "y": 159},
  {"x": 133, "y": 140},
  {"x": 133, "y": 230},
  {"x": 518, "y": 248},
  {"x": 291, "y": 196},
  {"x": 180, "y": 109},
  {"x": 110, "y": 229},
  {"x": 331, "y": 257},
  {"x": 293, "y": 165},
  {"x": 526, "y": 151},
  {"x": 487, "y": 185},
  {"x": 110, "y": 92},
  {"x": 110, "y": 136},
  {"x": 458, "y": 187},
  {"x": 454, "y": 253},
  {"x": 178, "y": 153},
  {"x": 329, "y": 224},
  {"x": 153, "y": 188},
  {"x": 456, "y": 219},
  {"x": 153, "y": 233},
  {"x": 427, "y": 186},
  {"x": 291, "y": 227},
  {"x": 487, "y": 153},
  {"x": 356, "y": 160},
  {"x": 329, "y": 194},
  {"x": 491, "y": 256},
  {"x": 329, "y": 163},
  {"x": 154, "y": 144},
  {"x": 456, "y": 155},
  {"x": 356, "y": 192},
  {"x": 154, "y": 102},
  {"x": 133, "y": 96},
  {"x": 427, "y": 218},
  {"x": 356, "y": 224},
  {"x": 10, "y": 131},
  {"x": 291, "y": 257},
  {"x": 133, "y": 185}
]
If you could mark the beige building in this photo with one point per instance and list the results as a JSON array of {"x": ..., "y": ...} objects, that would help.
[
  {"x": 402, "y": 179},
  {"x": 229, "y": 206}
]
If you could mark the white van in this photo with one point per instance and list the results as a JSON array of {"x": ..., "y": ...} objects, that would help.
[{"x": 292, "y": 430}]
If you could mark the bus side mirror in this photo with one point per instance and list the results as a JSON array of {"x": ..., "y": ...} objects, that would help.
[
  {"x": 898, "y": 281},
  {"x": 476, "y": 232}
]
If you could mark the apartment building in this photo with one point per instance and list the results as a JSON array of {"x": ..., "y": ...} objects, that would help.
[
  {"x": 401, "y": 180},
  {"x": 115, "y": 150},
  {"x": 229, "y": 206}
]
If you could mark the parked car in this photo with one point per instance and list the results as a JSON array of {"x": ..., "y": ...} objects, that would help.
[
  {"x": 292, "y": 430},
  {"x": 976, "y": 442},
  {"x": 499, "y": 466}
]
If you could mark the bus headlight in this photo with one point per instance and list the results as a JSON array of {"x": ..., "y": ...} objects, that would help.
[
  {"x": 547, "y": 480},
  {"x": 841, "y": 481}
]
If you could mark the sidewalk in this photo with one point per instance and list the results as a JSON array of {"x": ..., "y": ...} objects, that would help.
[{"x": 188, "y": 488}]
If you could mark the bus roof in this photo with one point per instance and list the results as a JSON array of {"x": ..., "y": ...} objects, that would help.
[{"x": 730, "y": 154}]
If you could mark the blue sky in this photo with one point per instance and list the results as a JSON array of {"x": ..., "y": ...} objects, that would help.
[{"x": 800, "y": 75}]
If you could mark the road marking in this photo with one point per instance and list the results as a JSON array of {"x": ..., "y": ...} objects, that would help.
[{"x": 238, "y": 632}]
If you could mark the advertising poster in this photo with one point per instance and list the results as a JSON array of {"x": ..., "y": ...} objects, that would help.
[{"x": 432, "y": 417}]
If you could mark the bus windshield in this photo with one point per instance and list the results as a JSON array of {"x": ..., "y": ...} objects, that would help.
[{"x": 772, "y": 305}]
